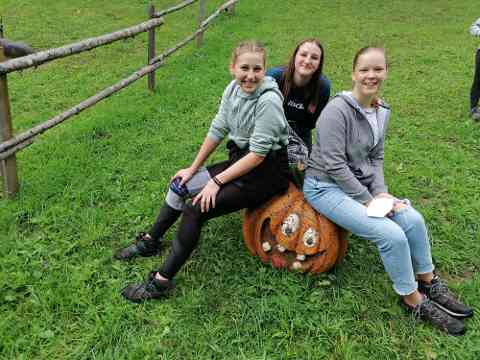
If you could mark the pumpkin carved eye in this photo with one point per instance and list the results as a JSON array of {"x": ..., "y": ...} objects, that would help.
[
  {"x": 291, "y": 224},
  {"x": 310, "y": 238}
]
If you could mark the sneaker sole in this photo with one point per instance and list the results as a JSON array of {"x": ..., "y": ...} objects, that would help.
[{"x": 452, "y": 313}]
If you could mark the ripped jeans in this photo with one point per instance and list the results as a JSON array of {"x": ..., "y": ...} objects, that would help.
[{"x": 401, "y": 239}]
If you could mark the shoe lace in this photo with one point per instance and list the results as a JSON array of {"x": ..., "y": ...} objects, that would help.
[
  {"x": 141, "y": 238},
  {"x": 150, "y": 286},
  {"x": 440, "y": 289},
  {"x": 427, "y": 308}
]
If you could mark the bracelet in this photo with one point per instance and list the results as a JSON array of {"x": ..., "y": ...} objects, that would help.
[{"x": 218, "y": 182}]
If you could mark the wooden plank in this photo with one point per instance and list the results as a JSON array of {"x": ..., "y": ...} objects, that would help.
[
  {"x": 201, "y": 17},
  {"x": 151, "y": 49},
  {"x": 8, "y": 165}
]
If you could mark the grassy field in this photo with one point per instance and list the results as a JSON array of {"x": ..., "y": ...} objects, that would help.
[{"x": 90, "y": 185}]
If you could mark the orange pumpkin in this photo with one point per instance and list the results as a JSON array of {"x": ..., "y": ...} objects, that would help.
[{"x": 287, "y": 232}]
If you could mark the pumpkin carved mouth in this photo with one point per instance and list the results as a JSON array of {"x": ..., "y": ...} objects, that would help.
[{"x": 288, "y": 233}]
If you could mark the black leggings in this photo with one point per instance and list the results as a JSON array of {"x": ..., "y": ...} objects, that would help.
[
  {"x": 229, "y": 199},
  {"x": 475, "y": 91}
]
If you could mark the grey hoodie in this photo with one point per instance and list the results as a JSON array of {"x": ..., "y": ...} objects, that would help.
[
  {"x": 344, "y": 153},
  {"x": 255, "y": 119}
]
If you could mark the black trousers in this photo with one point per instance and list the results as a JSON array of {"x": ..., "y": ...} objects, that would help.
[
  {"x": 229, "y": 199},
  {"x": 249, "y": 191},
  {"x": 475, "y": 91}
]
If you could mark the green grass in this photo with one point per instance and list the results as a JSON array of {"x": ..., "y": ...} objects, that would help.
[{"x": 89, "y": 185}]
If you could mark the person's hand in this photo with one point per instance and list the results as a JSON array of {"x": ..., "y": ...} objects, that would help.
[
  {"x": 207, "y": 196},
  {"x": 397, "y": 205},
  {"x": 185, "y": 175}
]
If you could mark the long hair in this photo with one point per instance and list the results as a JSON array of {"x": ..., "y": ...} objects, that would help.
[{"x": 312, "y": 88}]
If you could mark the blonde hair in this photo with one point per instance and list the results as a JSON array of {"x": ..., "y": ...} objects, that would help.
[
  {"x": 366, "y": 49},
  {"x": 250, "y": 46}
]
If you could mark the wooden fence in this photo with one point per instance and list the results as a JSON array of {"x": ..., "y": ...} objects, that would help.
[{"x": 10, "y": 144}]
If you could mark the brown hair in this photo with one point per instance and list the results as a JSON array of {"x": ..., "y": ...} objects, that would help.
[
  {"x": 312, "y": 89},
  {"x": 366, "y": 49},
  {"x": 251, "y": 46}
]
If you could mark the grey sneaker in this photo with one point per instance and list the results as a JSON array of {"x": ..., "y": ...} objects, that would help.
[
  {"x": 151, "y": 289},
  {"x": 143, "y": 246},
  {"x": 475, "y": 114},
  {"x": 428, "y": 311},
  {"x": 444, "y": 299}
]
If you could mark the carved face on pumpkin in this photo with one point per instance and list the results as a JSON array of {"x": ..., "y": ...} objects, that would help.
[{"x": 288, "y": 233}]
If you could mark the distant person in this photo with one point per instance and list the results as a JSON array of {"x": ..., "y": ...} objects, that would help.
[
  {"x": 252, "y": 117},
  {"x": 344, "y": 181},
  {"x": 475, "y": 91},
  {"x": 304, "y": 87}
]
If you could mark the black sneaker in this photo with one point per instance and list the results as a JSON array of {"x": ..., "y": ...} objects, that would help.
[
  {"x": 143, "y": 246},
  {"x": 428, "y": 311},
  {"x": 151, "y": 289},
  {"x": 443, "y": 298}
]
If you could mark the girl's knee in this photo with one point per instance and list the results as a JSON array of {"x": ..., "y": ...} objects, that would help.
[
  {"x": 174, "y": 200},
  {"x": 193, "y": 212},
  {"x": 392, "y": 239},
  {"x": 413, "y": 217}
]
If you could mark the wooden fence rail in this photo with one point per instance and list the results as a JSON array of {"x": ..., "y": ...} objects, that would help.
[
  {"x": 43, "y": 57},
  {"x": 203, "y": 27},
  {"x": 10, "y": 145},
  {"x": 173, "y": 8}
]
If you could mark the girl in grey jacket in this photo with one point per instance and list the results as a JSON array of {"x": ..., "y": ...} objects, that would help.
[
  {"x": 475, "y": 90},
  {"x": 251, "y": 116},
  {"x": 345, "y": 183}
]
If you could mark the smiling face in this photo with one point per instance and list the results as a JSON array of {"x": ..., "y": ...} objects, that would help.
[
  {"x": 288, "y": 233},
  {"x": 369, "y": 72},
  {"x": 249, "y": 70},
  {"x": 307, "y": 59}
]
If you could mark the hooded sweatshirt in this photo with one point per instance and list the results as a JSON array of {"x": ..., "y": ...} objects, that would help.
[
  {"x": 252, "y": 119},
  {"x": 345, "y": 152}
]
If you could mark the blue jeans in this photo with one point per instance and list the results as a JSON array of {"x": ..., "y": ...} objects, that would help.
[{"x": 401, "y": 239}]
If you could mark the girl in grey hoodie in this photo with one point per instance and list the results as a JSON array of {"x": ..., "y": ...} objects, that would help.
[
  {"x": 252, "y": 117},
  {"x": 345, "y": 182}
]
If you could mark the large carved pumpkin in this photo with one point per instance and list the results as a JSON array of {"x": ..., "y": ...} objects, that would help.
[{"x": 287, "y": 232}]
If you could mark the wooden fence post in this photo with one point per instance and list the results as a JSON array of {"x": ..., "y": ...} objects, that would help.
[
  {"x": 151, "y": 48},
  {"x": 9, "y": 165},
  {"x": 201, "y": 17}
]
